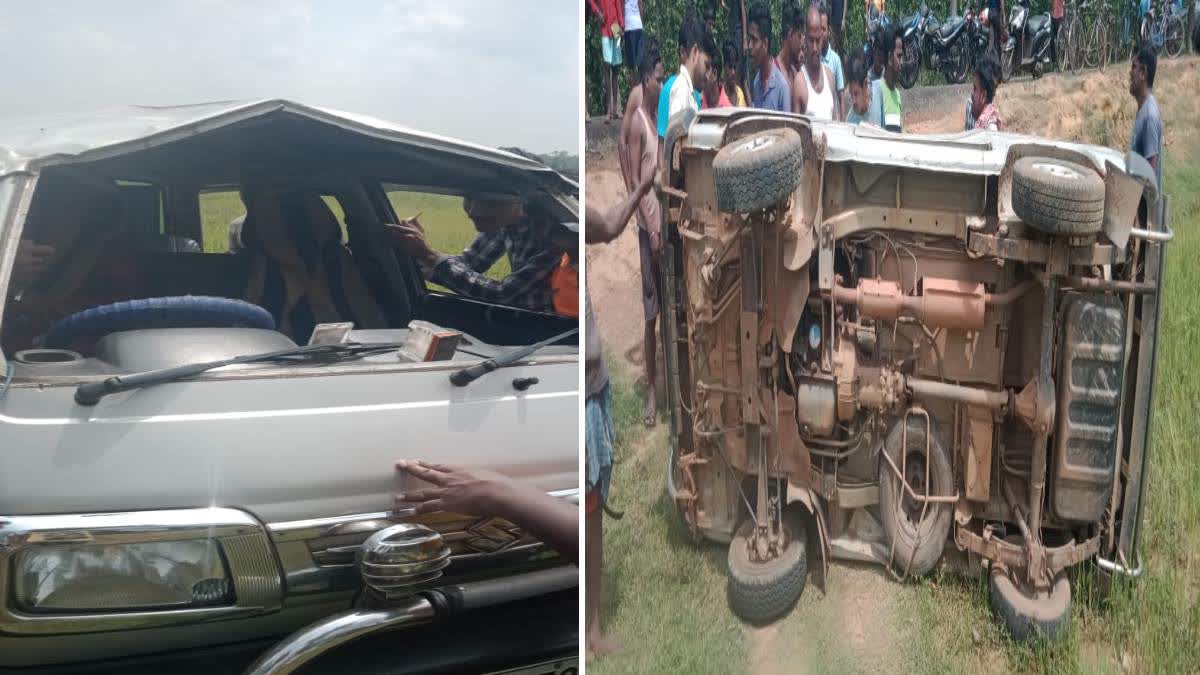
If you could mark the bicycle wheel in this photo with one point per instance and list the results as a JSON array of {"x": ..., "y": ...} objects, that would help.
[
  {"x": 1087, "y": 45},
  {"x": 1103, "y": 43},
  {"x": 1173, "y": 41},
  {"x": 1073, "y": 39},
  {"x": 1061, "y": 48}
]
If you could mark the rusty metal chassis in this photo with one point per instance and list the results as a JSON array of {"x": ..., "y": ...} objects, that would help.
[{"x": 765, "y": 437}]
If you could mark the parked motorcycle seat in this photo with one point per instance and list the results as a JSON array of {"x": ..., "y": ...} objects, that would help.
[
  {"x": 951, "y": 29},
  {"x": 1037, "y": 23}
]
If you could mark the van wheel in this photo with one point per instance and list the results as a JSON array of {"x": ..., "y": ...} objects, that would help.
[
  {"x": 762, "y": 591},
  {"x": 1028, "y": 614},
  {"x": 916, "y": 533},
  {"x": 1058, "y": 197},
  {"x": 758, "y": 171}
]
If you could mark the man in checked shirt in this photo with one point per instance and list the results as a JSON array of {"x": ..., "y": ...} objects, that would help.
[{"x": 504, "y": 227}]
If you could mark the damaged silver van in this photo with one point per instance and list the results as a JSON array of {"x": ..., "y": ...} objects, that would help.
[
  {"x": 198, "y": 425},
  {"x": 909, "y": 350}
]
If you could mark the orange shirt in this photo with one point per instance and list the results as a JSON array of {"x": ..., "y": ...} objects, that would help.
[{"x": 565, "y": 283}]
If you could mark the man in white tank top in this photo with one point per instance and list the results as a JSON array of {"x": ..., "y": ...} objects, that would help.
[{"x": 813, "y": 91}]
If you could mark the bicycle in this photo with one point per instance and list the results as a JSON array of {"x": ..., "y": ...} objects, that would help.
[
  {"x": 1164, "y": 31},
  {"x": 1066, "y": 42},
  {"x": 1095, "y": 34},
  {"x": 1122, "y": 39}
]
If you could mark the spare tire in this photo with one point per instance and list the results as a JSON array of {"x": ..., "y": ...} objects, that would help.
[
  {"x": 757, "y": 171},
  {"x": 1058, "y": 197},
  {"x": 917, "y": 539},
  {"x": 760, "y": 592}
]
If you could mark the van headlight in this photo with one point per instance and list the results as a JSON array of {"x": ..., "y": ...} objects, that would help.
[
  {"x": 155, "y": 575},
  {"x": 143, "y": 569}
]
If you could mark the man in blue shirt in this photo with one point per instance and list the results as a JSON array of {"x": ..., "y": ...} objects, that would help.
[
  {"x": 770, "y": 88},
  {"x": 1146, "y": 139}
]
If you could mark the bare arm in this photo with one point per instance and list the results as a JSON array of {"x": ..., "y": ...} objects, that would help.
[
  {"x": 649, "y": 166},
  {"x": 622, "y": 149},
  {"x": 799, "y": 94},
  {"x": 482, "y": 493},
  {"x": 631, "y": 104},
  {"x": 602, "y": 227}
]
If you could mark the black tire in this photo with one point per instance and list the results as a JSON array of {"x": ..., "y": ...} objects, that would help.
[
  {"x": 1008, "y": 65},
  {"x": 1062, "y": 48},
  {"x": 757, "y": 171},
  {"x": 1058, "y": 197},
  {"x": 1173, "y": 40},
  {"x": 1104, "y": 48},
  {"x": 917, "y": 543},
  {"x": 1027, "y": 615},
  {"x": 1074, "y": 36},
  {"x": 1089, "y": 47},
  {"x": 959, "y": 56},
  {"x": 758, "y": 592},
  {"x": 911, "y": 68}
]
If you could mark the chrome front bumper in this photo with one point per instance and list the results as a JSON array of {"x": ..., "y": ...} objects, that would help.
[{"x": 324, "y": 636}]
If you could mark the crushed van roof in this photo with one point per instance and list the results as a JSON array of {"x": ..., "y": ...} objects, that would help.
[{"x": 27, "y": 143}]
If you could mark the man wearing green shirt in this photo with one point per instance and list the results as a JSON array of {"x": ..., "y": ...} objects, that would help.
[{"x": 889, "y": 86}]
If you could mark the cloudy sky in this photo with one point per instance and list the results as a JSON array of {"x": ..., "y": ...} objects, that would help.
[{"x": 490, "y": 71}]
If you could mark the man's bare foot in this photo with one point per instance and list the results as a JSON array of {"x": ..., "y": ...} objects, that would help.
[
  {"x": 603, "y": 645},
  {"x": 650, "y": 410}
]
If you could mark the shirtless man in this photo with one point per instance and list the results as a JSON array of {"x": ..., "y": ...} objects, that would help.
[
  {"x": 631, "y": 106},
  {"x": 641, "y": 157},
  {"x": 814, "y": 91}
]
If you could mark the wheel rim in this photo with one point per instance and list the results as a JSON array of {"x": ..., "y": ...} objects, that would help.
[
  {"x": 1174, "y": 38},
  {"x": 751, "y": 553},
  {"x": 756, "y": 144},
  {"x": 959, "y": 56},
  {"x": 915, "y": 477},
  {"x": 1077, "y": 30},
  {"x": 1058, "y": 170}
]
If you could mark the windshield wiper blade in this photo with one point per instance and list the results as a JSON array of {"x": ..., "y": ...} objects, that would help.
[
  {"x": 89, "y": 394},
  {"x": 461, "y": 378}
]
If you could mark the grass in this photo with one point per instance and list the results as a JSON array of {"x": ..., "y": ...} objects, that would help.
[
  {"x": 665, "y": 595},
  {"x": 447, "y": 227},
  {"x": 1152, "y": 625}
]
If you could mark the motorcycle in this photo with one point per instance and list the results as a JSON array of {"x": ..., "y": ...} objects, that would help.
[
  {"x": 874, "y": 25},
  {"x": 914, "y": 45},
  {"x": 948, "y": 48},
  {"x": 1028, "y": 44},
  {"x": 981, "y": 33}
]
